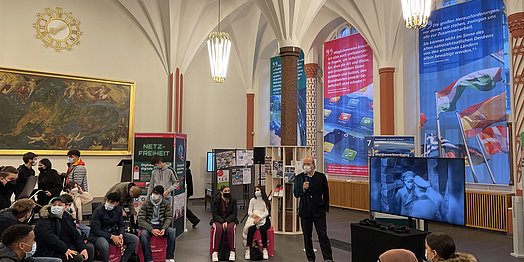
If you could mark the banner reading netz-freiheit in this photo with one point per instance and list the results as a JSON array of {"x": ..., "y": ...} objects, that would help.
[
  {"x": 464, "y": 88},
  {"x": 348, "y": 105}
]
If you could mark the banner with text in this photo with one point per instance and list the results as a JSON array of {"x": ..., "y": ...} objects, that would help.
[
  {"x": 348, "y": 105},
  {"x": 464, "y": 88},
  {"x": 276, "y": 103}
]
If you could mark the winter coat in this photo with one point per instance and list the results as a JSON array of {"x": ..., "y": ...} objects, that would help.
[
  {"x": 459, "y": 257},
  {"x": 8, "y": 255},
  {"x": 23, "y": 174},
  {"x": 106, "y": 223},
  {"x": 79, "y": 200},
  {"x": 78, "y": 173},
  {"x": 7, "y": 219},
  {"x": 48, "y": 180},
  {"x": 231, "y": 211},
  {"x": 122, "y": 189},
  {"x": 145, "y": 214},
  {"x": 47, "y": 235}
]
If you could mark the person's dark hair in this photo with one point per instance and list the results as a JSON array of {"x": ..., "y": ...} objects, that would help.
[
  {"x": 15, "y": 233},
  {"x": 156, "y": 160},
  {"x": 6, "y": 170},
  {"x": 442, "y": 243},
  {"x": 113, "y": 197},
  {"x": 158, "y": 189},
  {"x": 47, "y": 163},
  {"x": 68, "y": 198},
  {"x": 73, "y": 152},
  {"x": 28, "y": 156},
  {"x": 188, "y": 164},
  {"x": 22, "y": 207},
  {"x": 264, "y": 197},
  {"x": 70, "y": 185},
  {"x": 223, "y": 187}
]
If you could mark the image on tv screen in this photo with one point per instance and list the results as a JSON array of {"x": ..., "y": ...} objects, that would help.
[{"x": 425, "y": 188}]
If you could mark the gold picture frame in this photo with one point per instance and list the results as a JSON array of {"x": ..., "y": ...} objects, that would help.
[{"x": 49, "y": 114}]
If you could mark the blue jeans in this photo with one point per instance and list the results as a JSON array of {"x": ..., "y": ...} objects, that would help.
[
  {"x": 145, "y": 236},
  {"x": 102, "y": 245},
  {"x": 84, "y": 230}
]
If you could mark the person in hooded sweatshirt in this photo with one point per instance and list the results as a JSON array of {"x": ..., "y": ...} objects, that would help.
[
  {"x": 440, "y": 247},
  {"x": 56, "y": 234},
  {"x": 163, "y": 175},
  {"x": 155, "y": 218},
  {"x": 19, "y": 213}
]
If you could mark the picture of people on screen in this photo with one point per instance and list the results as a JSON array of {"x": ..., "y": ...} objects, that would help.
[{"x": 426, "y": 188}]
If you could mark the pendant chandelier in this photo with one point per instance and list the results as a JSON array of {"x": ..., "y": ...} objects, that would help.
[
  {"x": 416, "y": 13},
  {"x": 218, "y": 48}
]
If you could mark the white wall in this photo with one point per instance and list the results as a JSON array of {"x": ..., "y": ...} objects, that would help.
[
  {"x": 214, "y": 115},
  {"x": 111, "y": 47}
]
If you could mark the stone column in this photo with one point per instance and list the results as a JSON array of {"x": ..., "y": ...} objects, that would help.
[
  {"x": 250, "y": 120},
  {"x": 289, "y": 112},
  {"x": 516, "y": 29},
  {"x": 387, "y": 100},
  {"x": 311, "y": 107}
]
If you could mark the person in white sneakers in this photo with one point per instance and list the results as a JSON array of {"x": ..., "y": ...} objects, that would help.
[
  {"x": 258, "y": 218},
  {"x": 224, "y": 211}
]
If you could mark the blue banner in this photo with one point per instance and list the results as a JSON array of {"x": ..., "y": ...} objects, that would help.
[
  {"x": 275, "y": 123},
  {"x": 464, "y": 88}
]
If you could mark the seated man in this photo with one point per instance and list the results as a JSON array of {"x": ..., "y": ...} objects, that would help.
[
  {"x": 18, "y": 242},
  {"x": 19, "y": 213},
  {"x": 155, "y": 218},
  {"x": 56, "y": 234},
  {"x": 107, "y": 224}
]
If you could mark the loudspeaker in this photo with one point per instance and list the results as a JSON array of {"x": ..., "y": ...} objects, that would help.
[{"x": 259, "y": 153}]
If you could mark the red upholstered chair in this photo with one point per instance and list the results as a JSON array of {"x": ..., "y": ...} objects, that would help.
[
  {"x": 158, "y": 248},
  {"x": 270, "y": 240}
]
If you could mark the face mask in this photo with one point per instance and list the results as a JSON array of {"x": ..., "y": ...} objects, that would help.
[
  {"x": 41, "y": 169},
  {"x": 155, "y": 198},
  {"x": 33, "y": 163},
  {"x": 69, "y": 210},
  {"x": 226, "y": 195},
  {"x": 258, "y": 194},
  {"x": 307, "y": 169},
  {"x": 57, "y": 210},
  {"x": 74, "y": 190},
  {"x": 109, "y": 207},
  {"x": 30, "y": 253},
  {"x": 158, "y": 167},
  {"x": 70, "y": 160}
]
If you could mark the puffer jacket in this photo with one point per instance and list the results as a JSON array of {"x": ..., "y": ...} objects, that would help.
[
  {"x": 459, "y": 257},
  {"x": 145, "y": 214}
]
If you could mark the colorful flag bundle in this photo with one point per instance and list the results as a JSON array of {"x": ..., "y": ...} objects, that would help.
[
  {"x": 494, "y": 139},
  {"x": 479, "y": 116},
  {"x": 482, "y": 80}
]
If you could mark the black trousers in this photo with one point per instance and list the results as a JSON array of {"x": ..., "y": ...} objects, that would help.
[
  {"x": 321, "y": 227},
  {"x": 263, "y": 233},
  {"x": 189, "y": 214}
]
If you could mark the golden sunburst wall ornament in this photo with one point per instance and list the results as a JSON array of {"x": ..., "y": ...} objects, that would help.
[{"x": 57, "y": 29}]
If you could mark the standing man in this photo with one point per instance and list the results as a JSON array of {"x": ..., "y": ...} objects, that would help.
[
  {"x": 25, "y": 171},
  {"x": 189, "y": 182},
  {"x": 312, "y": 189},
  {"x": 163, "y": 175},
  {"x": 76, "y": 170}
]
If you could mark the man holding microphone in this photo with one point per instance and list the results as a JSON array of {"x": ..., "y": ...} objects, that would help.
[{"x": 311, "y": 187}]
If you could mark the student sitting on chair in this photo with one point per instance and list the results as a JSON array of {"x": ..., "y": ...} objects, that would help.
[
  {"x": 224, "y": 211},
  {"x": 258, "y": 212},
  {"x": 155, "y": 218},
  {"x": 107, "y": 224}
]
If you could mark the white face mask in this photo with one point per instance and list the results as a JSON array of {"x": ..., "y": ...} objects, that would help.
[
  {"x": 57, "y": 210},
  {"x": 307, "y": 169},
  {"x": 69, "y": 210},
  {"x": 70, "y": 160},
  {"x": 74, "y": 190},
  {"x": 258, "y": 194},
  {"x": 156, "y": 198},
  {"x": 30, "y": 253},
  {"x": 109, "y": 207}
]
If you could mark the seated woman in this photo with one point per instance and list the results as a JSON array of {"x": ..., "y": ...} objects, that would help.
[
  {"x": 441, "y": 247},
  {"x": 224, "y": 211},
  {"x": 258, "y": 212},
  {"x": 56, "y": 234},
  {"x": 48, "y": 181}
]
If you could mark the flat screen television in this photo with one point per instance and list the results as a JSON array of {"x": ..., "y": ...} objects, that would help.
[
  {"x": 210, "y": 162},
  {"x": 425, "y": 188}
]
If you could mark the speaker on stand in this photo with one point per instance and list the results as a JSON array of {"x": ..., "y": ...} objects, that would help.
[{"x": 259, "y": 155}]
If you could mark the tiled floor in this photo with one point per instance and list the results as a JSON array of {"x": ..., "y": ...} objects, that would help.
[{"x": 194, "y": 244}]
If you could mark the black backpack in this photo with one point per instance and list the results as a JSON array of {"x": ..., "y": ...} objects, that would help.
[{"x": 254, "y": 251}]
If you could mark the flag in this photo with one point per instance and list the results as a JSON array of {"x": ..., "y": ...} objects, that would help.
[
  {"x": 494, "y": 139},
  {"x": 460, "y": 152},
  {"x": 432, "y": 145},
  {"x": 482, "y": 80},
  {"x": 481, "y": 115}
]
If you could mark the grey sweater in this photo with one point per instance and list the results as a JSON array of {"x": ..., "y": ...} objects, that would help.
[{"x": 165, "y": 177}]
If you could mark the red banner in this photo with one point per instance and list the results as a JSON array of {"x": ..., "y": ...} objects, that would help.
[{"x": 348, "y": 65}]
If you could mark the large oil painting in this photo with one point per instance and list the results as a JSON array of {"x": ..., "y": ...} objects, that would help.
[{"x": 51, "y": 113}]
